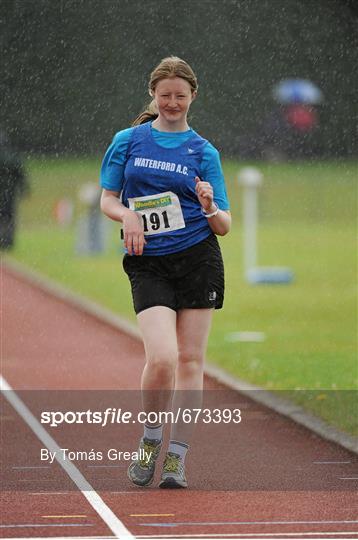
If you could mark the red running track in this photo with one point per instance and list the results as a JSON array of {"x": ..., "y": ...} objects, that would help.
[{"x": 267, "y": 477}]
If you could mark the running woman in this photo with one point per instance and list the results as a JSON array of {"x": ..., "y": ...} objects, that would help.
[{"x": 164, "y": 182}]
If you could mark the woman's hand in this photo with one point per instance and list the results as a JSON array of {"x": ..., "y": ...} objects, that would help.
[
  {"x": 132, "y": 223},
  {"x": 134, "y": 240},
  {"x": 220, "y": 220},
  {"x": 205, "y": 194}
]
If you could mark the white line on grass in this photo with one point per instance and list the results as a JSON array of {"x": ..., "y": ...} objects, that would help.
[{"x": 97, "y": 503}]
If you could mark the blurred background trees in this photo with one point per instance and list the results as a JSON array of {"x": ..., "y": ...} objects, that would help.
[{"x": 75, "y": 71}]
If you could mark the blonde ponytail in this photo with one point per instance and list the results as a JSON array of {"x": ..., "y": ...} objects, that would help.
[{"x": 150, "y": 113}]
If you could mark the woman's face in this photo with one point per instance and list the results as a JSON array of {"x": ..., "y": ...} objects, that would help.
[{"x": 173, "y": 98}]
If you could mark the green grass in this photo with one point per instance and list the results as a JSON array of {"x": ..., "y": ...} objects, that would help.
[{"x": 307, "y": 222}]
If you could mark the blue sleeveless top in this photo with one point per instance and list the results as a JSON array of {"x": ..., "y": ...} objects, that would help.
[{"x": 159, "y": 184}]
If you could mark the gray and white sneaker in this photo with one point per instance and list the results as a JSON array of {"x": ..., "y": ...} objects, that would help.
[
  {"x": 173, "y": 475},
  {"x": 141, "y": 471}
]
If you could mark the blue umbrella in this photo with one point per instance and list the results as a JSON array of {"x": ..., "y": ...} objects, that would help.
[{"x": 297, "y": 91}]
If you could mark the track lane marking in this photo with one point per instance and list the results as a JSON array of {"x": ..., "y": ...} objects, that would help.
[
  {"x": 104, "y": 466},
  {"x": 51, "y": 493},
  {"x": 69, "y": 516},
  {"x": 60, "y": 538},
  {"x": 238, "y": 535},
  {"x": 245, "y": 535},
  {"x": 97, "y": 503},
  {"x": 152, "y": 515},
  {"x": 39, "y": 525},
  {"x": 31, "y": 467},
  {"x": 216, "y": 523},
  {"x": 331, "y": 462}
]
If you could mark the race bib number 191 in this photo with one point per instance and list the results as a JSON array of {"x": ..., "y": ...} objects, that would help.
[{"x": 160, "y": 213}]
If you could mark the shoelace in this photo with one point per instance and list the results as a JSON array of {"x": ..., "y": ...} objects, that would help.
[
  {"x": 172, "y": 463},
  {"x": 149, "y": 450}
]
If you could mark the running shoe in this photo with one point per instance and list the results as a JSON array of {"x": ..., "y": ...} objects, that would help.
[
  {"x": 173, "y": 475},
  {"x": 141, "y": 472}
]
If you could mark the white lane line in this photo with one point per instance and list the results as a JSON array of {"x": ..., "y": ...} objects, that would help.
[
  {"x": 50, "y": 493},
  {"x": 216, "y": 523},
  {"x": 32, "y": 481},
  {"x": 104, "y": 466},
  {"x": 66, "y": 517},
  {"x": 110, "y": 492},
  {"x": 43, "y": 493},
  {"x": 134, "y": 492},
  {"x": 32, "y": 467},
  {"x": 247, "y": 535},
  {"x": 331, "y": 462},
  {"x": 172, "y": 536},
  {"x": 97, "y": 503},
  {"x": 350, "y": 478}
]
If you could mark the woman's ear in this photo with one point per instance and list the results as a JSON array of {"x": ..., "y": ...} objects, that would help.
[{"x": 193, "y": 95}]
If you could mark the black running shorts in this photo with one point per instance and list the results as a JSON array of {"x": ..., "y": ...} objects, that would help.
[{"x": 192, "y": 278}]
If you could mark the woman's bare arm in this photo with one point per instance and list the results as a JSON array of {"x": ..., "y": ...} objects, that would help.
[{"x": 132, "y": 224}]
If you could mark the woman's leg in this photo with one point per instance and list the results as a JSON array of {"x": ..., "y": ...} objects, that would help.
[
  {"x": 193, "y": 326},
  {"x": 158, "y": 328}
]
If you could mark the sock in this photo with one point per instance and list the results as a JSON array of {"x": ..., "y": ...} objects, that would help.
[
  {"x": 177, "y": 447},
  {"x": 153, "y": 432}
]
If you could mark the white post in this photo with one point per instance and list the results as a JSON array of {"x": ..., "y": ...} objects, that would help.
[{"x": 250, "y": 178}]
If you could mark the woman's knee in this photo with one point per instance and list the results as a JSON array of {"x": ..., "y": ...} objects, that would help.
[
  {"x": 191, "y": 360},
  {"x": 163, "y": 362}
]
